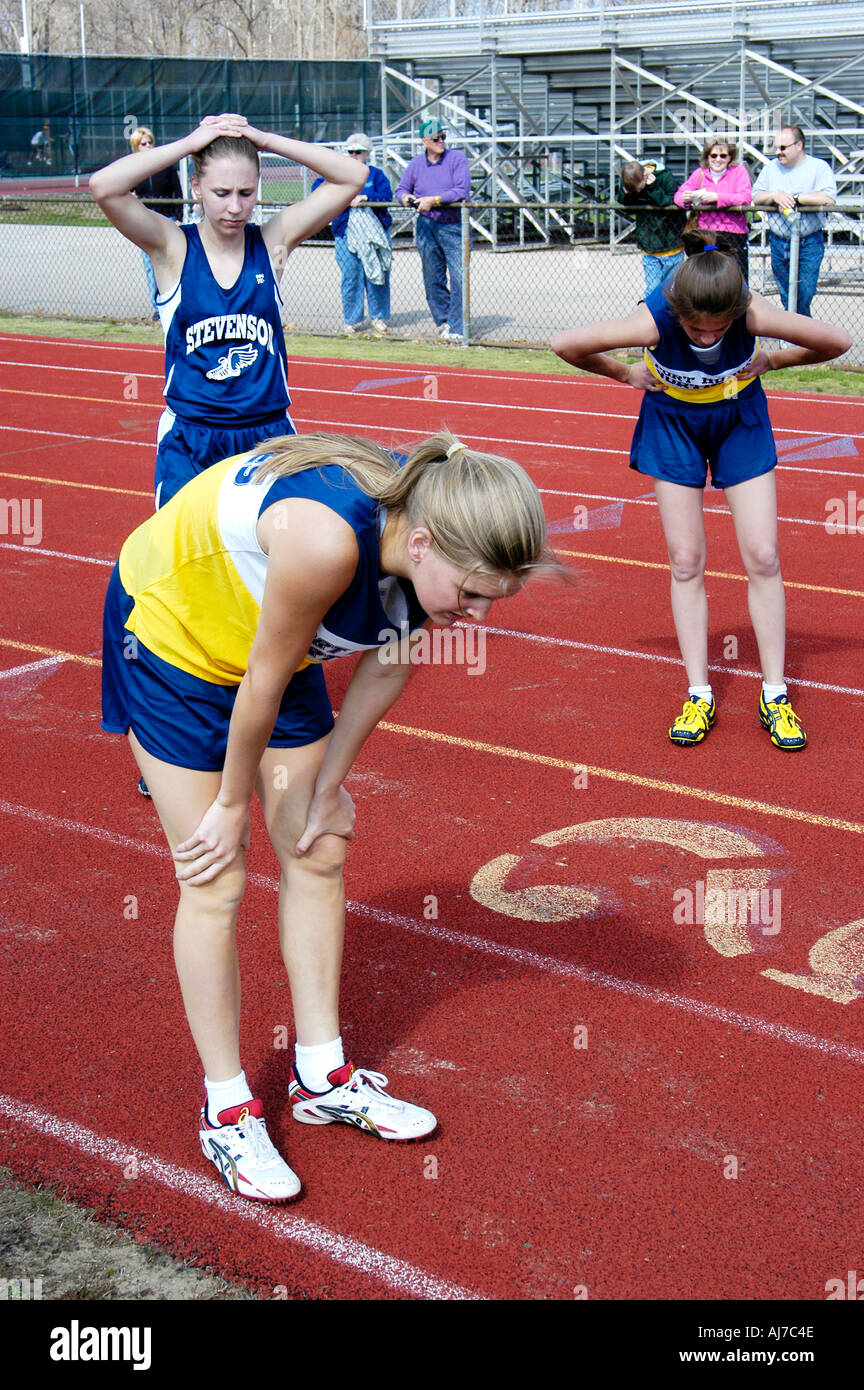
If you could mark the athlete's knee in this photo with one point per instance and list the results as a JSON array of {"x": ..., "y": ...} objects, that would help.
[
  {"x": 762, "y": 561},
  {"x": 686, "y": 563},
  {"x": 325, "y": 859},
  {"x": 219, "y": 899}
]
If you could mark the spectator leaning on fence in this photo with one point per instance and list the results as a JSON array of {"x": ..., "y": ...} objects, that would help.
[
  {"x": 436, "y": 182},
  {"x": 796, "y": 181},
  {"x": 649, "y": 189},
  {"x": 361, "y": 240},
  {"x": 718, "y": 184},
  {"x": 153, "y": 192}
]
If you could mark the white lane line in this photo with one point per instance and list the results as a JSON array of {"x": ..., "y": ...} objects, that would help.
[
  {"x": 55, "y": 554},
  {"x": 654, "y": 656},
  {"x": 698, "y": 1008},
  {"x": 526, "y": 637},
  {"x": 88, "y": 371},
  {"x": 432, "y": 368},
  {"x": 85, "y": 438},
  {"x": 421, "y": 377},
  {"x": 707, "y": 510},
  {"x": 31, "y": 666},
  {"x": 354, "y": 425},
  {"x": 397, "y": 1274}
]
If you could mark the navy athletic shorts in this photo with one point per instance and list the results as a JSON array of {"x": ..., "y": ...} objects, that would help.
[{"x": 180, "y": 718}]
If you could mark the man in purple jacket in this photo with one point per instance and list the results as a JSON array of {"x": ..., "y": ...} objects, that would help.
[{"x": 436, "y": 182}]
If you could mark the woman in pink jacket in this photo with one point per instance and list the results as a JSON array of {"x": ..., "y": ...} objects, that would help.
[{"x": 717, "y": 185}]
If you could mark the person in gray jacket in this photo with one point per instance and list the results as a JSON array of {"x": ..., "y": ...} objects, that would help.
[{"x": 799, "y": 187}]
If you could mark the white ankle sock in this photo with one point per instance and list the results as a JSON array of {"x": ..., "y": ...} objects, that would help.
[
  {"x": 772, "y": 692},
  {"x": 314, "y": 1064},
  {"x": 701, "y": 692},
  {"x": 222, "y": 1095}
]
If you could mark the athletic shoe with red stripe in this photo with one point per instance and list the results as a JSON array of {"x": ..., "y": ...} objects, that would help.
[
  {"x": 357, "y": 1097},
  {"x": 242, "y": 1150}
]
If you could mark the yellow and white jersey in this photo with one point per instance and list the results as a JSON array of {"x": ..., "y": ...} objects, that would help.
[{"x": 196, "y": 571}]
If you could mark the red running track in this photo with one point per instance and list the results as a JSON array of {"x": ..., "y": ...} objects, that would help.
[{"x": 632, "y": 1104}]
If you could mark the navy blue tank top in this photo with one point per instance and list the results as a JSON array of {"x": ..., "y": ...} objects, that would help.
[
  {"x": 225, "y": 360},
  {"x": 689, "y": 376}
]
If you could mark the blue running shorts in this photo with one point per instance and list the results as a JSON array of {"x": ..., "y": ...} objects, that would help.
[
  {"x": 180, "y": 718},
  {"x": 679, "y": 442},
  {"x": 185, "y": 449}
]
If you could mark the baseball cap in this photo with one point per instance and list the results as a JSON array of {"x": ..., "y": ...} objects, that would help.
[
  {"x": 430, "y": 128},
  {"x": 358, "y": 141}
]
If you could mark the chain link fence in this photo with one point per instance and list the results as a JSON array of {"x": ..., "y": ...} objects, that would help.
[{"x": 532, "y": 270}]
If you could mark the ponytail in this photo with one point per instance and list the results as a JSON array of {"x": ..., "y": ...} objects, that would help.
[
  {"x": 483, "y": 512},
  {"x": 709, "y": 282}
]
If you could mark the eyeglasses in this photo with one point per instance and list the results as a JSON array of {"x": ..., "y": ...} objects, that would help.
[
  {"x": 718, "y": 154},
  {"x": 781, "y": 149},
  {"x": 358, "y": 151},
  {"x": 439, "y": 136}
]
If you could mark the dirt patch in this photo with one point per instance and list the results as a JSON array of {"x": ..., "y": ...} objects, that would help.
[{"x": 46, "y": 1238}]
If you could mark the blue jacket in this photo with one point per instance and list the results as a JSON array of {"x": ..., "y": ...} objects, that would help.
[{"x": 377, "y": 189}]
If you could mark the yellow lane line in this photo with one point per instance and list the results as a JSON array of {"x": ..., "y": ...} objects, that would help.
[
  {"x": 628, "y": 778},
  {"x": 50, "y": 651},
  {"x": 96, "y": 400},
  {"x": 543, "y": 760},
  {"x": 64, "y": 482},
  {"x": 571, "y": 554},
  {"x": 709, "y": 574}
]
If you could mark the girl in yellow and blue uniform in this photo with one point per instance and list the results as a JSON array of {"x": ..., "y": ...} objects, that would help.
[
  {"x": 703, "y": 408},
  {"x": 219, "y": 614}
]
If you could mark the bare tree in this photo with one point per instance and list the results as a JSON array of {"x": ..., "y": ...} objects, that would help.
[{"x": 329, "y": 29}]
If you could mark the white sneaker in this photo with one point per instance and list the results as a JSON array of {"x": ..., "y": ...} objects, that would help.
[
  {"x": 351, "y": 330},
  {"x": 380, "y": 328},
  {"x": 444, "y": 330},
  {"x": 243, "y": 1153},
  {"x": 357, "y": 1097},
  {"x": 449, "y": 337}
]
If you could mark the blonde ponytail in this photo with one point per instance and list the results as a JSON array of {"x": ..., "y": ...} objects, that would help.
[{"x": 483, "y": 511}]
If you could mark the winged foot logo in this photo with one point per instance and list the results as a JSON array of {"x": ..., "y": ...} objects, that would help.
[{"x": 235, "y": 361}]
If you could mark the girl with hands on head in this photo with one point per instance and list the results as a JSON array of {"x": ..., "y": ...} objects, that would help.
[
  {"x": 704, "y": 406},
  {"x": 218, "y": 285},
  {"x": 218, "y": 616}
]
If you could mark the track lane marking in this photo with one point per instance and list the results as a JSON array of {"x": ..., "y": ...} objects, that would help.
[
  {"x": 632, "y": 779},
  {"x": 654, "y": 656},
  {"x": 764, "y": 808},
  {"x": 709, "y": 574},
  {"x": 50, "y": 651},
  {"x": 516, "y": 955},
  {"x": 581, "y": 382},
  {"x": 344, "y": 1250},
  {"x": 389, "y": 396},
  {"x": 545, "y": 639}
]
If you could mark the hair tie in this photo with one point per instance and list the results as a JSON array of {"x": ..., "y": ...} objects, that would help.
[
  {"x": 712, "y": 247},
  {"x": 457, "y": 444}
]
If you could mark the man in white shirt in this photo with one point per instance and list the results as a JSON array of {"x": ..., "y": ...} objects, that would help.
[{"x": 797, "y": 185}]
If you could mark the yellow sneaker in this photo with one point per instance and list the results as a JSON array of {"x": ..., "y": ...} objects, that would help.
[
  {"x": 781, "y": 721},
  {"x": 693, "y": 723}
]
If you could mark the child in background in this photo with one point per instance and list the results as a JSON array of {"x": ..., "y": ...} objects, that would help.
[{"x": 649, "y": 189}]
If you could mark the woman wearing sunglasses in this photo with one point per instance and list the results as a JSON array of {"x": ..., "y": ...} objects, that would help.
[{"x": 720, "y": 183}]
